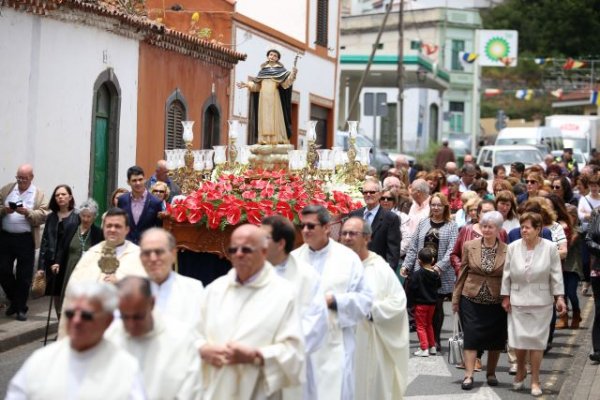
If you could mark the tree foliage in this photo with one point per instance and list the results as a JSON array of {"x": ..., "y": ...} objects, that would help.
[
  {"x": 550, "y": 27},
  {"x": 547, "y": 28}
]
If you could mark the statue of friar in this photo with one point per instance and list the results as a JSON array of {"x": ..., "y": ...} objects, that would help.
[{"x": 271, "y": 100}]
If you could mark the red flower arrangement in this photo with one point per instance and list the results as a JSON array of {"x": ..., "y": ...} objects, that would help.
[{"x": 236, "y": 199}]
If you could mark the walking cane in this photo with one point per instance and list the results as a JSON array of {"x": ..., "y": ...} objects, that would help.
[{"x": 50, "y": 309}]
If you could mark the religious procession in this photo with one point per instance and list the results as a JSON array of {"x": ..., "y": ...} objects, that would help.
[{"x": 230, "y": 226}]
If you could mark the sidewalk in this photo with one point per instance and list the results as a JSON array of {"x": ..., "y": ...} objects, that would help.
[
  {"x": 14, "y": 333},
  {"x": 583, "y": 376}
]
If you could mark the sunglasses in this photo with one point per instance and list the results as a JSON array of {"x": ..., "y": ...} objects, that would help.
[
  {"x": 244, "y": 249},
  {"x": 531, "y": 181},
  {"x": 309, "y": 225},
  {"x": 148, "y": 252},
  {"x": 369, "y": 192},
  {"x": 385, "y": 198},
  {"x": 159, "y": 191},
  {"x": 352, "y": 234},
  {"x": 84, "y": 315},
  {"x": 556, "y": 187}
]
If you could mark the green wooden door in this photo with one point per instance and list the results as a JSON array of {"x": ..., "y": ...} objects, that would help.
[{"x": 100, "y": 190}]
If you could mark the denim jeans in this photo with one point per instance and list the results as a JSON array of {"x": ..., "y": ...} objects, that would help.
[{"x": 571, "y": 280}]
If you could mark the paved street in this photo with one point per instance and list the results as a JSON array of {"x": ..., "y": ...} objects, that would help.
[{"x": 433, "y": 378}]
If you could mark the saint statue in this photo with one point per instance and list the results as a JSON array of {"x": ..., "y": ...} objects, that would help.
[{"x": 271, "y": 101}]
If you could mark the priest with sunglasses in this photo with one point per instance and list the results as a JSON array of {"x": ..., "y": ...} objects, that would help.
[
  {"x": 83, "y": 366},
  {"x": 251, "y": 341},
  {"x": 348, "y": 299}
]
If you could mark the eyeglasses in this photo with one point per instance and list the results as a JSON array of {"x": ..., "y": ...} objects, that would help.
[
  {"x": 244, "y": 249},
  {"x": 530, "y": 181},
  {"x": 556, "y": 187},
  {"x": 309, "y": 225},
  {"x": 352, "y": 234},
  {"x": 148, "y": 252},
  {"x": 159, "y": 191},
  {"x": 385, "y": 198},
  {"x": 22, "y": 178},
  {"x": 369, "y": 192},
  {"x": 84, "y": 315}
]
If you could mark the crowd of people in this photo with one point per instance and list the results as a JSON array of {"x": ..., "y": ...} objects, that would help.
[{"x": 327, "y": 320}]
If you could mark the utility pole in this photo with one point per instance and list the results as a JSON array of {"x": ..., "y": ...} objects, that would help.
[{"x": 400, "y": 111}]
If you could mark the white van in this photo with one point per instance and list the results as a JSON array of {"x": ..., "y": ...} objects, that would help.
[{"x": 544, "y": 138}]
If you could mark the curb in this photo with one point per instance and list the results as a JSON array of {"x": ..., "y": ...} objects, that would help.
[
  {"x": 11, "y": 342},
  {"x": 572, "y": 380}
]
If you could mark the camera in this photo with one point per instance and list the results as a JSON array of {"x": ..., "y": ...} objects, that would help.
[{"x": 14, "y": 205}]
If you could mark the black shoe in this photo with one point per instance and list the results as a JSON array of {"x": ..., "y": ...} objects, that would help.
[
  {"x": 492, "y": 380},
  {"x": 11, "y": 310},
  {"x": 595, "y": 356},
  {"x": 21, "y": 316},
  {"x": 467, "y": 383}
]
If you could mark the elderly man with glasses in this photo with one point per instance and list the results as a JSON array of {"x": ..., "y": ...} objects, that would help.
[
  {"x": 382, "y": 341},
  {"x": 23, "y": 209},
  {"x": 348, "y": 298},
  {"x": 85, "y": 365},
  {"x": 385, "y": 225},
  {"x": 178, "y": 297},
  {"x": 251, "y": 341}
]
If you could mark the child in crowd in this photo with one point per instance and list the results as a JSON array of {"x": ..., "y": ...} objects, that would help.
[{"x": 424, "y": 283}]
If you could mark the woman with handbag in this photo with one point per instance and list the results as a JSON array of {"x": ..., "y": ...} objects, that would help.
[
  {"x": 439, "y": 233},
  {"x": 531, "y": 283},
  {"x": 477, "y": 298}
]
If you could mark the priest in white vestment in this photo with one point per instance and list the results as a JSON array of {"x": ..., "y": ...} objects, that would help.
[
  {"x": 176, "y": 296},
  {"x": 310, "y": 300},
  {"x": 164, "y": 348},
  {"x": 84, "y": 365},
  {"x": 382, "y": 340},
  {"x": 348, "y": 299},
  {"x": 115, "y": 228},
  {"x": 251, "y": 340}
]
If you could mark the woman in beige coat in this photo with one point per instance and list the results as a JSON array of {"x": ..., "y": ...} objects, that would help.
[{"x": 531, "y": 282}]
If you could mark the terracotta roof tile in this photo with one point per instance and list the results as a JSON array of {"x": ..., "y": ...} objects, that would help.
[{"x": 153, "y": 32}]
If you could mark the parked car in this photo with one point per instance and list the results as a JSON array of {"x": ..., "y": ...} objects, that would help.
[
  {"x": 577, "y": 155},
  {"x": 489, "y": 156},
  {"x": 379, "y": 158}
]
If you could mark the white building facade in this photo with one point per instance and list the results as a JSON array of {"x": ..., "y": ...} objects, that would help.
[{"x": 50, "y": 68}]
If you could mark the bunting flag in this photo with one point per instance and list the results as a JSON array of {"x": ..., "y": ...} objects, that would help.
[
  {"x": 572, "y": 64},
  {"x": 469, "y": 58},
  {"x": 558, "y": 93},
  {"x": 524, "y": 94},
  {"x": 429, "y": 48},
  {"x": 594, "y": 98},
  {"x": 492, "y": 92}
]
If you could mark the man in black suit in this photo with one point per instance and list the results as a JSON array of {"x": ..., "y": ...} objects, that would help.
[
  {"x": 385, "y": 225},
  {"x": 141, "y": 207}
]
